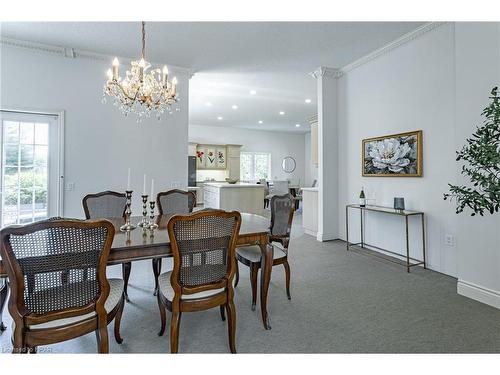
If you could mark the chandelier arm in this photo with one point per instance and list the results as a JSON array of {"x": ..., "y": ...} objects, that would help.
[{"x": 124, "y": 93}]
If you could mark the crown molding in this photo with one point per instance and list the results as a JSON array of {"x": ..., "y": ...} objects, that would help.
[
  {"x": 324, "y": 71},
  {"x": 73, "y": 53},
  {"x": 412, "y": 35}
]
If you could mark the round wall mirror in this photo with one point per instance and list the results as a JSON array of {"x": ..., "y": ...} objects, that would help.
[{"x": 288, "y": 164}]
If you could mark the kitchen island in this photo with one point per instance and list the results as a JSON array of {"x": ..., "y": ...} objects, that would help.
[{"x": 240, "y": 197}]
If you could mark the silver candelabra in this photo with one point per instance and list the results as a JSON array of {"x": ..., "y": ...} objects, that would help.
[
  {"x": 144, "y": 223},
  {"x": 128, "y": 212}
]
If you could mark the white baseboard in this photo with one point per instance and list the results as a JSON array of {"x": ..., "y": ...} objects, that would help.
[
  {"x": 479, "y": 293},
  {"x": 322, "y": 237}
]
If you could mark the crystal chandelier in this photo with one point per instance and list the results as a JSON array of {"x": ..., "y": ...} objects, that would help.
[{"x": 141, "y": 91}]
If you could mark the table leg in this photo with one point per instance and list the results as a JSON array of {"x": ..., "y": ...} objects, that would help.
[
  {"x": 347, "y": 227},
  {"x": 3, "y": 298},
  {"x": 423, "y": 240},
  {"x": 407, "y": 246},
  {"x": 265, "y": 277}
]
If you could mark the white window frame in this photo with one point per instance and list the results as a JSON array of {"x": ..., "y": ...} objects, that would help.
[
  {"x": 60, "y": 115},
  {"x": 253, "y": 154}
]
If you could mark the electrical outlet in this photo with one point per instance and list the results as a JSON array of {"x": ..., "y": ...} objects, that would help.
[
  {"x": 176, "y": 184},
  {"x": 449, "y": 240},
  {"x": 70, "y": 186}
]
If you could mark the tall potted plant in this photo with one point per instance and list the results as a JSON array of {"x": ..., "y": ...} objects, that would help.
[{"x": 481, "y": 155}]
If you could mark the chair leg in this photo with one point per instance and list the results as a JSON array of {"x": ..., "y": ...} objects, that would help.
[
  {"x": 223, "y": 312},
  {"x": 118, "y": 319},
  {"x": 32, "y": 350},
  {"x": 156, "y": 273},
  {"x": 174, "y": 331},
  {"x": 287, "y": 278},
  {"x": 3, "y": 298},
  {"x": 163, "y": 317},
  {"x": 126, "y": 267},
  {"x": 254, "y": 269},
  {"x": 231, "y": 325},
  {"x": 18, "y": 341},
  {"x": 237, "y": 274},
  {"x": 101, "y": 334}
]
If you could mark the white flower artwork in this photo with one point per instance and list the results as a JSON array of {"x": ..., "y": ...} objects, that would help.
[{"x": 393, "y": 155}]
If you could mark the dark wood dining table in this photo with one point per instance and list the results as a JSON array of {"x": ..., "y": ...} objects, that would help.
[{"x": 141, "y": 245}]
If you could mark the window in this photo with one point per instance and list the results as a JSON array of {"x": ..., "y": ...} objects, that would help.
[
  {"x": 255, "y": 166},
  {"x": 29, "y": 177}
]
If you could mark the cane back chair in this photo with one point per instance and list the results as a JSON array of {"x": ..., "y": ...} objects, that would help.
[
  {"x": 282, "y": 209},
  {"x": 169, "y": 203},
  {"x": 108, "y": 205},
  {"x": 51, "y": 298},
  {"x": 203, "y": 247}
]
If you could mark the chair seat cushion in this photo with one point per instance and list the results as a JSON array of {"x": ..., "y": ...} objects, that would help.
[
  {"x": 168, "y": 292},
  {"x": 115, "y": 294},
  {"x": 253, "y": 253}
]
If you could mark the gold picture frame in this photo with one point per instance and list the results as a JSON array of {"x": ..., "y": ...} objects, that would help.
[{"x": 374, "y": 161}]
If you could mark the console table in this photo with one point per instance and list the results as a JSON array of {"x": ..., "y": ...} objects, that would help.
[{"x": 410, "y": 262}]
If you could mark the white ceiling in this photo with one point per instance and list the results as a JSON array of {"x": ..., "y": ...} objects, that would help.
[{"x": 230, "y": 59}]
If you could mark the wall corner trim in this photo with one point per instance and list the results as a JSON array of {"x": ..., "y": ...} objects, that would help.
[
  {"x": 479, "y": 293},
  {"x": 74, "y": 53},
  {"x": 324, "y": 71},
  {"x": 406, "y": 38}
]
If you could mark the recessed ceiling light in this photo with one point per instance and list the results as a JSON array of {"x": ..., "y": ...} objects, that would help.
[
  {"x": 261, "y": 122},
  {"x": 308, "y": 101},
  {"x": 297, "y": 125},
  {"x": 253, "y": 92},
  {"x": 282, "y": 113},
  {"x": 219, "y": 118},
  {"x": 208, "y": 104},
  {"x": 234, "y": 106}
]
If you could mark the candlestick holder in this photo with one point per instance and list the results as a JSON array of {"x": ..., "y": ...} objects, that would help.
[
  {"x": 152, "y": 224},
  {"x": 144, "y": 223},
  {"x": 128, "y": 212}
]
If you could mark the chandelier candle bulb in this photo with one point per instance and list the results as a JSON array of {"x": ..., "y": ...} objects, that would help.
[
  {"x": 174, "y": 86},
  {"x": 116, "y": 64},
  {"x": 165, "y": 75},
  {"x": 109, "y": 73}
]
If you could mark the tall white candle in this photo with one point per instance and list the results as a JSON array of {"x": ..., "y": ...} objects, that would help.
[
  {"x": 128, "y": 180},
  {"x": 144, "y": 185},
  {"x": 151, "y": 197}
]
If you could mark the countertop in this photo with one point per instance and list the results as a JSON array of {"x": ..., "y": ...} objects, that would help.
[{"x": 227, "y": 185}]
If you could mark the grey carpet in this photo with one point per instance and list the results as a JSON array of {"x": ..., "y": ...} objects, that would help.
[{"x": 342, "y": 302}]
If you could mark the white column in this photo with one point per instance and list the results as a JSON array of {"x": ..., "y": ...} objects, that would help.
[{"x": 328, "y": 209}]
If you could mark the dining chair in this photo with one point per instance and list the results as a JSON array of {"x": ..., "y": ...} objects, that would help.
[
  {"x": 282, "y": 209},
  {"x": 278, "y": 187},
  {"x": 106, "y": 205},
  {"x": 171, "y": 202},
  {"x": 203, "y": 247},
  {"x": 46, "y": 307}
]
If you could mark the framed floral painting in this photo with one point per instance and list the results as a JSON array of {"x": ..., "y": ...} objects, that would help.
[{"x": 395, "y": 155}]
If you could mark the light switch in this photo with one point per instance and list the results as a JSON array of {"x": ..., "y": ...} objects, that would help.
[
  {"x": 70, "y": 186},
  {"x": 449, "y": 240}
]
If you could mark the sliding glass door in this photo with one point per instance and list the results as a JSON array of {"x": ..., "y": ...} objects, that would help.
[{"x": 30, "y": 146}]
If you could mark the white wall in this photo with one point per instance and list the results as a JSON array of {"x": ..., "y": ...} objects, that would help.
[
  {"x": 478, "y": 238},
  {"x": 100, "y": 143},
  {"x": 409, "y": 88},
  {"x": 437, "y": 82},
  {"x": 311, "y": 171},
  {"x": 278, "y": 144}
]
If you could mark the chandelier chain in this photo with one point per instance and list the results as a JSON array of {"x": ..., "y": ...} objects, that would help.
[{"x": 143, "y": 39}]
